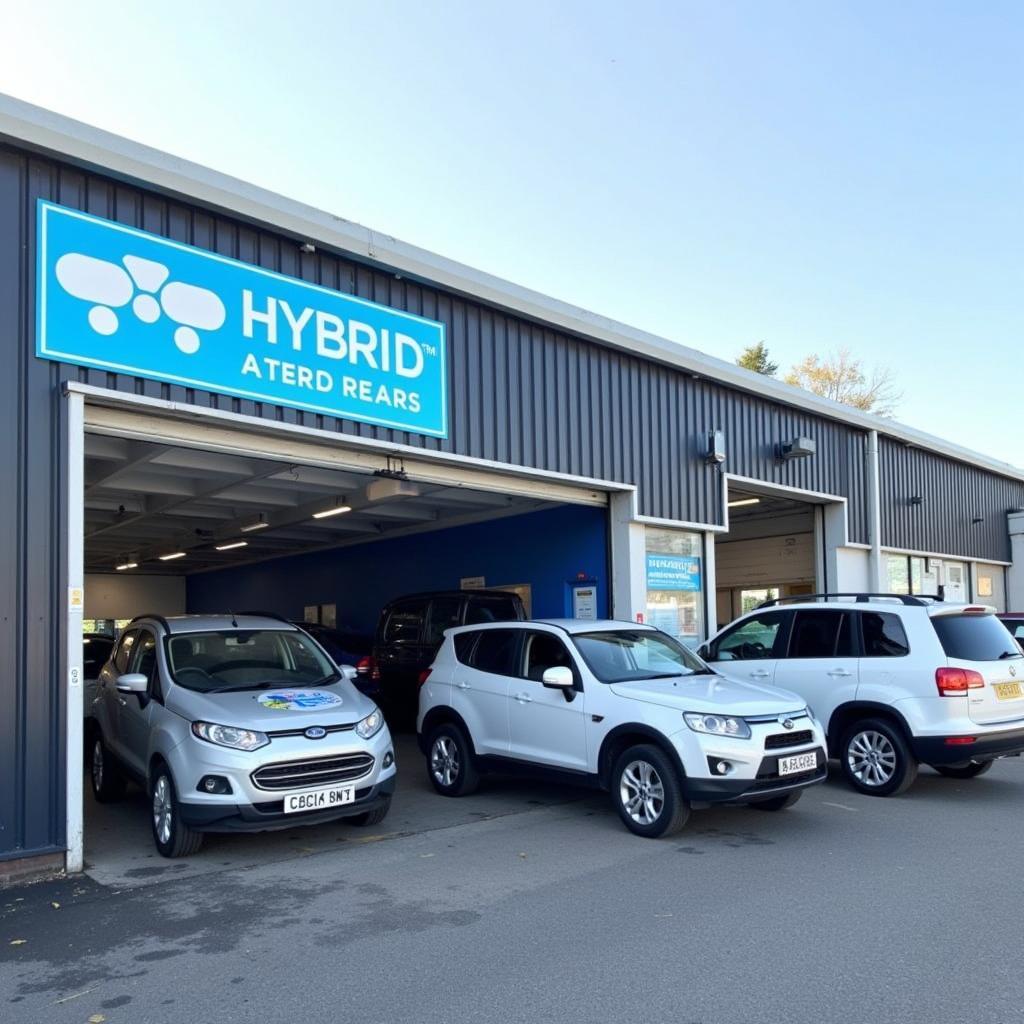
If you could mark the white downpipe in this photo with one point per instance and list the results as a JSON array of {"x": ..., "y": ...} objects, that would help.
[
  {"x": 874, "y": 492},
  {"x": 74, "y": 607}
]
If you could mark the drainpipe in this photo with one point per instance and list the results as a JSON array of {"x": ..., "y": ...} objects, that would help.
[{"x": 874, "y": 514}]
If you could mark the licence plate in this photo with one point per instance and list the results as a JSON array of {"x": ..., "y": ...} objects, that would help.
[
  {"x": 798, "y": 763},
  {"x": 319, "y": 799},
  {"x": 1008, "y": 691}
]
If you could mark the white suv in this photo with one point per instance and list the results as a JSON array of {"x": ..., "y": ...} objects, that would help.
[
  {"x": 896, "y": 680},
  {"x": 621, "y": 706}
]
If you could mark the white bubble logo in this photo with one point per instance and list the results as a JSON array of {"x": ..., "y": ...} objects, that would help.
[{"x": 110, "y": 287}]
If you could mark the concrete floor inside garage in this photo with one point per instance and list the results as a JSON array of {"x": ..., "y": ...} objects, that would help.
[{"x": 145, "y": 500}]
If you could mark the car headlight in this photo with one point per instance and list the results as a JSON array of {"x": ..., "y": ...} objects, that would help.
[
  {"x": 370, "y": 725},
  {"x": 718, "y": 725},
  {"x": 229, "y": 736}
]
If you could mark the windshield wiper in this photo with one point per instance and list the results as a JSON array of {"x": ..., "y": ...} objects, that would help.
[
  {"x": 1010, "y": 654},
  {"x": 242, "y": 686}
]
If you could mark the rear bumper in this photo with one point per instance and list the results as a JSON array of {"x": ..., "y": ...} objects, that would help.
[
  {"x": 768, "y": 783},
  {"x": 985, "y": 747},
  {"x": 269, "y": 816}
]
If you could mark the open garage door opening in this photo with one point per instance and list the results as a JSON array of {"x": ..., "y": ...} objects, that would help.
[
  {"x": 178, "y": 529},
  {"x": 773, "y": 549}
]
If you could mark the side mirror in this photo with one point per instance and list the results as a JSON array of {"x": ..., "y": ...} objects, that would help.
[
  {"x": 133, "y": 682},
  {"x": 558, "y": 678},
  {"x": 348, "y": 672}
]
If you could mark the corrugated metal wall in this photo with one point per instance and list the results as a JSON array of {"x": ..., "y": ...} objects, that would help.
[
  {"x": 521, "y": 393},
  {"x": 953, "y": 495}
]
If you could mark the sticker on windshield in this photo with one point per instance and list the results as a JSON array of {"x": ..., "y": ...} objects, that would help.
[{"x": 298, "y": 700}]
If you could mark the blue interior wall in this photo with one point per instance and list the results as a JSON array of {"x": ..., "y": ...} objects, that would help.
[{"x": 548, "y": 549}]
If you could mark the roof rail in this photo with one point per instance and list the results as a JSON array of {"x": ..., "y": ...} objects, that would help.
[
  {"x": 263, "y": 615},
  {"x": 861, "y": 597}
]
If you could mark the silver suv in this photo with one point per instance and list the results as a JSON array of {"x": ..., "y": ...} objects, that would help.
[{"x": 236, "y": 724}]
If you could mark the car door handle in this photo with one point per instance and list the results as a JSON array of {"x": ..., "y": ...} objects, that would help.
[
  {"x": 840, "y": 673},
  {"x": 464, "y": 686},
  {"x": 524, "y": 698},
  {"x": 761, "y": 674}
]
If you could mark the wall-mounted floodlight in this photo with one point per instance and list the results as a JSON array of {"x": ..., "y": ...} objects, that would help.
[
  {"x": 799, "y": 448},
  {"x": 916, "y": 499},
  {"x": 716, "y": 447}
]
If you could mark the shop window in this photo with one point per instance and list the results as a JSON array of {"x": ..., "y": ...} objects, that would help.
[
  {"x": 751, "y": 599},
  {"x": 675, "y": 583},
  {"x": 898, "y": 570}
]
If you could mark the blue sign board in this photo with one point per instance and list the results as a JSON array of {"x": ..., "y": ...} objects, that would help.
[
  {"x": 116, "y": 298},
  {"x": 673, "y": 572}
]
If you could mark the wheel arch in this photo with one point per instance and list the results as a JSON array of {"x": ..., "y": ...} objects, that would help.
[
  {"x": 621, "y": 738},
  {"x": 441, "y": 715},
  {"x": 846, "y": 714}
]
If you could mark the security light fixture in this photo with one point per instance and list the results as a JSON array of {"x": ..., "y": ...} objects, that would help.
[
  {"x": 799, "y": 448},
  {"x": 716, "y": 447},
  {"x": 336, "y": 511},
  {"x": 172, "y": 556},
  {"x": 916, "y": 499},
  {"x": 308, "y": 248},
  {"x": 259, "y": 524},
  {"x": 744, "y": 501},
  {"x": 977, "y": 519},
  {"x": 234, "y": 544},
  {"x": 126, "y": 565}
]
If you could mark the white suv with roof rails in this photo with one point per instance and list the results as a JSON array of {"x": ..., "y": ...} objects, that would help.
[
  {"x": 896, "y": 680},
  {"x": 621, "y": 706}
]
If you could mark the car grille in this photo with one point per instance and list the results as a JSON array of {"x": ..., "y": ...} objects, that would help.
[
  {"x": 320, "y": 771},
  {"x": 328, "y": 729},
  {"x": 788, "y": 739}
]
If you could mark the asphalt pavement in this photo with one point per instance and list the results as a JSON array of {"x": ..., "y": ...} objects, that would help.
[{"x": 842, "y": 909}]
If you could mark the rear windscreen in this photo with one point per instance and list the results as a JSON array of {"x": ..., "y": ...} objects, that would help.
[{"x": 975, "y": 638}]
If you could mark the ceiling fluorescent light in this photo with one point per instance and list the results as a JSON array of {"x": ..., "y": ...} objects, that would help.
[
  {"x": 173, "y": 555},
  {"x": 234, "y": 544},
  {"x": 127, "y": 565},
  {"x": 259, "y": 524},
  {"x": 336, "y": 511},
  {"x": 744, "y": 501}
]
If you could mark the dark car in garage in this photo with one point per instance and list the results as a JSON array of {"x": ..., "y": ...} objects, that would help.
[
  {"x": 409, "y": 634},
  {"x": 346, "y": 647}
]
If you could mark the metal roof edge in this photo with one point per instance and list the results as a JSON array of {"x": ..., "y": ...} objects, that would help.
[{"x": 37, "y": 127}]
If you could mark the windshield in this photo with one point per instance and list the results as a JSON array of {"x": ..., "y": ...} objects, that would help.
[
  {"x": 617, "y": 656},
  {"x": 247, "y": 659}
]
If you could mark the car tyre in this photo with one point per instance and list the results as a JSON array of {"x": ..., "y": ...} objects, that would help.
[
  {"x": 450, "y": 762},
  {"x": 374, "y": 817},
  {"x": 104, "y": 772},
  {"x": 647, "y": 792},
  {"x": 876, "y": 758},
  {"x": 173, "y": 838},
  {"x": 964, "y": 771},
  {"x": 778, "y": 803}
]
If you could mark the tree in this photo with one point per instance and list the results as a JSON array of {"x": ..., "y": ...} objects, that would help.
[
  {"x": 843, "y": 378},
  {"x": 755, "y": 357}
]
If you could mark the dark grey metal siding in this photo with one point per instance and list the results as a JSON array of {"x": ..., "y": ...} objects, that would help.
[
  {"x": 954, "y": 494},
  {"x": 31, "y": 555}
]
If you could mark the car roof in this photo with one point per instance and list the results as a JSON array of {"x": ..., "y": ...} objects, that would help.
[
  {"x": 566, "y": 625},
  {"x": 212, "y": 623},
  {"x": 928, "y": 606}
]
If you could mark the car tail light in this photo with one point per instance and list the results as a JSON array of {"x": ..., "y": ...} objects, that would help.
[
  {"x": 955, "y": 682},
  {"x": 424, "y": 676},
  {"x": 364, "y": 666}
]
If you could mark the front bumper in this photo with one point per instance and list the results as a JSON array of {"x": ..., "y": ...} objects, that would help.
[
  {"x": 766, "y": 783},
  {"x": 269, "y": 816},
  {"x": 936, "y": 750}
]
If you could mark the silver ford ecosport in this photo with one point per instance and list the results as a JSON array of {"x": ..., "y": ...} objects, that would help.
[{"x": 236, "y": 724}]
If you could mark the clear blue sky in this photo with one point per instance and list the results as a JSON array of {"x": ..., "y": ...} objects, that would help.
[{"x": 813, "y": 174}]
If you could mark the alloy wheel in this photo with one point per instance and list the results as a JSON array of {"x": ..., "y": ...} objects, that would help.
[
  {"x": 872, "y": 758},
  {"x": 444, "y": 761},
  {"x": 642, "y": 792},
  {"x": 162, "y": 810}
]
